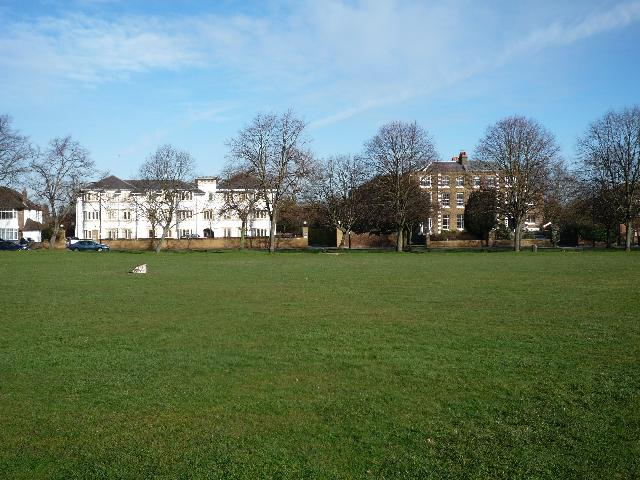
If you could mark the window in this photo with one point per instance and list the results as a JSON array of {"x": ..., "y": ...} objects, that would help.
[
  {"x": 9, "y": 233},
  {"x": 126, "y": 215},
  {"x": 445, "y": 182},
  {"x": 210, "y": 196},
  {"x": 152, "y": 233},
  {"x": 112, "y": 233},
  {"x": 91, "y": 215},
  {"x": 459, "y": 181},
  {"x": 491, "y": 182},
  {"x": 227, "y": 232},
  {"x": 184, "y": 214},
  {"x": 185, "y": 232},
  {"x": 530, "y": 219},
  {"x": 186, "y": 196},
  {"x": 113, "y": 215},
  {"x": 476, "y": 181},
  {"x": 460, "y": 221},
  {"x": 426, "y": 181},
  {"x": 87, "y": 234},
  {"x": 90, "y": 197},
  {"x": 446, "y": 222},
  {"x": 259, "y": 232},
  {"x": 261, "y": 214},
  {"x": 208, "y": 215},
  {"x": 459, "y": 199},
  {"x": 126, "y": 233},
  {"x": 446, "y": 199},
  {"x": 7, "y": 214}
]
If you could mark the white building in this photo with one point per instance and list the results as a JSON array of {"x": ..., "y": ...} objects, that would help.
[
  {"x": 111, "y": 208},
  {"x": 19, "y": 217}
]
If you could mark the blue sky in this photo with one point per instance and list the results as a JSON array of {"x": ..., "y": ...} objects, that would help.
[{"x": 123, "y": 77}]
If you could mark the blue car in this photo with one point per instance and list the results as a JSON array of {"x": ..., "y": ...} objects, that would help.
[
  {"x": 9, "y": 245},
  {"x": 82, "y": 245}
]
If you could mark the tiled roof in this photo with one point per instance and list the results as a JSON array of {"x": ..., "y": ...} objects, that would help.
[
  {"x": 239, "y": 181},
  {"x": 31, "y": 225},
  {"x": 114, "y": 183},
  {"x": 10, "y": 199},
  {"x": 457, "y": 167}
]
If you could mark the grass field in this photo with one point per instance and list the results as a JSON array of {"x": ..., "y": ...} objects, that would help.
[{"x": 302, "y": 365}]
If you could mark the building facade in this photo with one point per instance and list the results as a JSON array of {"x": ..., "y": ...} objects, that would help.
[
  {"x": 114, "y": 209},
  {"x": 19, "y": 217},
  {"x": 451, "y": 183}
]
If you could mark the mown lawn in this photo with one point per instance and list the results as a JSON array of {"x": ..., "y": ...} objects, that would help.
[{"x": 302, "y": 365}]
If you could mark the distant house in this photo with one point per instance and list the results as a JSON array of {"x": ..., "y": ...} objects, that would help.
[
  {"x": 19, "y": 216},
  {"x": 114, "y": 209},
  {"x": 450, "y": 183}
]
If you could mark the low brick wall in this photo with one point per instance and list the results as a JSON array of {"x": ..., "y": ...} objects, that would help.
[
  {"x": 365, "y": 240},
  {"x": 208, "y": 243},
  {"x": 527, "y": 242}
]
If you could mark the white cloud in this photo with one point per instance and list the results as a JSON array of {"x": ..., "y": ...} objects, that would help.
[
  {"x": 346, "y": 57},
  {"x": 565, "y": 33}
]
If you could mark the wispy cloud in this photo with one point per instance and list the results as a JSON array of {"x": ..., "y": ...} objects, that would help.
[
  {"x": 568, "y": 32},
  {"x": 345, "y": 57}
]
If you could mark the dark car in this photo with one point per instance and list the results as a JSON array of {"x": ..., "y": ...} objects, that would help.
[
  {"x": 9, "y": 245},
  {"x": 88, "y": 245}
]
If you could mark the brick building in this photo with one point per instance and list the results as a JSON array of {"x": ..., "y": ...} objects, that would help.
[{"x": 451, "y": 182}]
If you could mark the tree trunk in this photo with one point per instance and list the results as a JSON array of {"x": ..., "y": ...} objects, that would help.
[
  {"x": 54, "y": 236},
  {"x": 243, "y": 233},
  {"x": 629, "y": 236},
  {"x": 344, "y": 233},
  {"x": 400, "y": 240},
  {"x": 158, "y": 245},
  {"x": 272, "y": 233},
  {"x": 517, "y": 241}
]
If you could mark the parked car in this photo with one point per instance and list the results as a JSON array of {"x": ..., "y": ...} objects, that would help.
[
  {"x": 190, "y": 235},
  {"x": 9, "y": 245},
  {"x": 82, "y": 245}
]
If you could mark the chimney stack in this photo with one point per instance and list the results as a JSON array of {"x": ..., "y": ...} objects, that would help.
[{"x": 463, "y": 159}]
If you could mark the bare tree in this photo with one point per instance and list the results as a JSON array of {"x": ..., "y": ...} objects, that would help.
[
  {"x": 610, "y": 152},
  {"x": 337, "y": 192},
  {"x": 272, "y": 149},
  {"x": 397, "y": 153},
  {"x": 15, "y": 153},
  {"x": 240, "y": 199},
  {"x": 523, "y": 152},
  {"x": 57, "y": 176},
  {"x": 163, "y": 187}
]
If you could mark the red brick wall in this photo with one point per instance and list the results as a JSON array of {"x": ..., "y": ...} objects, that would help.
[{"x": 207, "y": 243}]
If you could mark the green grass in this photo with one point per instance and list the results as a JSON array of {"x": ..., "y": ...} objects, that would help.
[{"x": 301, "y": 365}]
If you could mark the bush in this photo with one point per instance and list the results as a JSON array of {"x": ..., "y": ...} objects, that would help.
[{"x": 503, "y": 233}]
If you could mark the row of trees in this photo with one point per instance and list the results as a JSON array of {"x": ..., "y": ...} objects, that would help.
[{"x": 377, "y": 190}]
